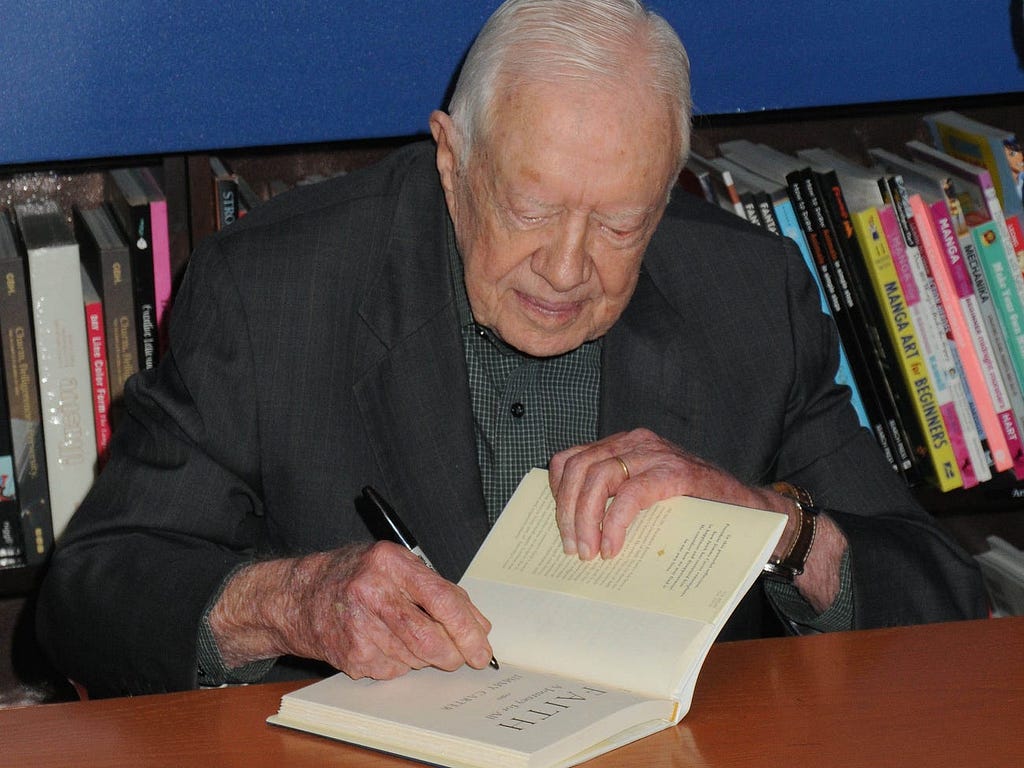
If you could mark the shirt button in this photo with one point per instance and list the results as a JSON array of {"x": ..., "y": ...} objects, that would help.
[{"x": 517, "y": 410}]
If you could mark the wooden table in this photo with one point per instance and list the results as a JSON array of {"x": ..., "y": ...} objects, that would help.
[{"x": 944, "y": 695}]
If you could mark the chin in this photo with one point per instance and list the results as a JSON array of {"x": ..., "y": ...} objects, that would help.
[{"x": 545, "y": 346}]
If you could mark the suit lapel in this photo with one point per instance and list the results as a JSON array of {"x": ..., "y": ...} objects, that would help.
[
  {"x": 413, "y": 394},
  {"x": 643, "y": 363}
]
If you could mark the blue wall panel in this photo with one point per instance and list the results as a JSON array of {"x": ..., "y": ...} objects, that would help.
[{"x": 95, "y": 78}]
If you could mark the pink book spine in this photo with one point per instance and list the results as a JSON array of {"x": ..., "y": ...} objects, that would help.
[
  {"x": 98, "y": 376},
  {"x": 161, "y": 267},
  {"x": 912, "y": 294},
  {"x": 961, "y": 335},
  {"x": 945, "y": 230}
]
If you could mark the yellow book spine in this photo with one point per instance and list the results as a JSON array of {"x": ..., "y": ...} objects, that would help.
[{"x": 886, "y": 285}]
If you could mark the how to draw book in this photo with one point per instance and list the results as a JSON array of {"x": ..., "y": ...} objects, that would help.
[{"x": 593, "y": 655}]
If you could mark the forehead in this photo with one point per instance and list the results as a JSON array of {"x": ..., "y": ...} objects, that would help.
[{"x": 598, "y": 143}]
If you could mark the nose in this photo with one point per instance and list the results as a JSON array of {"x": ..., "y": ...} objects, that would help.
[{"x": 564, "y": 261}]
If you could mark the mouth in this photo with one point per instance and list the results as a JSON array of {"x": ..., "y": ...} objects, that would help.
[{"x": 550, "y": 312}]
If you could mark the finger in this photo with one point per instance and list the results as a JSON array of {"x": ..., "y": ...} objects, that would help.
[
  {"x": 621, "y": 513},
  {"x": 458, "y": 631},
  {"x": 578, "y": 473},
  {"x": 603, "y": 482}
]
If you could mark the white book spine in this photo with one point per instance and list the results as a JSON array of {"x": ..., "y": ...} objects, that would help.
[{"x": 63, "y": 359}]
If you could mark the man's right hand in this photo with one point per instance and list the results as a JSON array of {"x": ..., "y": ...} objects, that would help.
[{"x": 369, "y": 610}]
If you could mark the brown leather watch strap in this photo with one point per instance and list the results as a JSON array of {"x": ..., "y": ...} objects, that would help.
[{"x": 791, "y": 564}]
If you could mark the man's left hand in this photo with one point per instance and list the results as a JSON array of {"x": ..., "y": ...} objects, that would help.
[{"x": 637, "y": 469}]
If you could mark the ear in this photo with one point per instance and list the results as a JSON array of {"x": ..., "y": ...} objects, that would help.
[{"x": 445, "y": 136}]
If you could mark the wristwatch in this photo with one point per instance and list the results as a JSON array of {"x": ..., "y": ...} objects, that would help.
[{"x": 791, "y": 564}]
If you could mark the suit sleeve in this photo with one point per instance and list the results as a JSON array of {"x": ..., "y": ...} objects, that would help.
[{"x": 175, "y": 510}]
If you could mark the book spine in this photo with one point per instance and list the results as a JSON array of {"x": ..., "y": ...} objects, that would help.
[
  {"x": 225, "y": 188},
  {"x": 162, "y": 278},
  {"x": 96, "y": 339},
  {"x": 1007, "y": 301},
  {"x": 1016, "y": 239},
  {"x": 987, "y": 309},
  {"x": 809, "y": 214},
  {"x": 943, "y": 359},
  {"x": 894, "y": 311},
  {"x": 139, "y": 233},
  {"x": 790, "y": 227},
  {"x": 21, "y": 384},
  {"x": 941, "y": 251},
  {"x": 869, "y": 353},
  {"x": 1000, "y": 389},
  {"x": 920, "y": 320},
  {"x": 62, "y": 354},
  {"x": 119, "y": 314}
]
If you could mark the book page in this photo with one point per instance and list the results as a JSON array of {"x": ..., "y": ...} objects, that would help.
[
  {"x": 684, "y": 557},
  {"x": 474, "y": 717},
  {"x": 643, "y": 620}
]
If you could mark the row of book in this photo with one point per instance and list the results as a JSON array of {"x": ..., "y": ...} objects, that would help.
[
  {"x": 919, "y": 256},
  {"x": 83, "y": 306}
]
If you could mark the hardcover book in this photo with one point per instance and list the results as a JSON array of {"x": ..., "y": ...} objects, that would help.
[
  {"x": 62, "y": 356},
  {"x": 593, "y": 654},
  {"x": 21, "y": 391}
]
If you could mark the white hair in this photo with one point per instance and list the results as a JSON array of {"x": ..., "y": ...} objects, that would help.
[{"x": 559, "y": 40}]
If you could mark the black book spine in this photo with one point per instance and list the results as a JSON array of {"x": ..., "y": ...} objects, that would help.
[
  {"x": 134, "y": 218},
  {"x": 865, "y": 323},
  {"x": 807, "y": 206}
]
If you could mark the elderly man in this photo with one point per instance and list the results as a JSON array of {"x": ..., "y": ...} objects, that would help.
[{"x": 523, "y": 293}]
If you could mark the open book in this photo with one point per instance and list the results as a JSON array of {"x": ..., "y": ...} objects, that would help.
[{"x": 593, "y": 654}]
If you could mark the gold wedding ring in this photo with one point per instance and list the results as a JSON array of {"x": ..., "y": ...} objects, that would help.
[{"x": 625, "y": 469}]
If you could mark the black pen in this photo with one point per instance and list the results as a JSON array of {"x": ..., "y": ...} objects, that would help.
[{"x": 402, "y": 534}]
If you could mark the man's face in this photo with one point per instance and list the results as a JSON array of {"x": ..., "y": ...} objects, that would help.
[{"x": 555, "y": 208}]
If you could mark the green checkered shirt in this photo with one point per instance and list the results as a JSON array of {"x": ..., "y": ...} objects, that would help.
[{"x": 525, "y": 409}]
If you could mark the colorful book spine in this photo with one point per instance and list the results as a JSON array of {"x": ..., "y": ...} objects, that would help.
[
  {"x": 893, "y": 306},
  {"x": 920, "y": 319},
  {"x": 990, "y": 316},
  {"x": 96, "y": 337},
  {"x": 952, "y": 265},
  {"x": 1016, "y": 231},
  {"x": 863, "y": 339},
  {"x": 163, "y": 287},
  {"x": 21, "y": 387},
  {"x": 999, "y": 272},
  {"x": 943, "y": 355}
]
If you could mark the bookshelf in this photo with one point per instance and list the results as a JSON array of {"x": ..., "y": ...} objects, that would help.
[{"x": 332, "y": 87}]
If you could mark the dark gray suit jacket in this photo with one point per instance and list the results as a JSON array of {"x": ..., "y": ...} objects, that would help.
[{"x": 315, "y": 349}]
